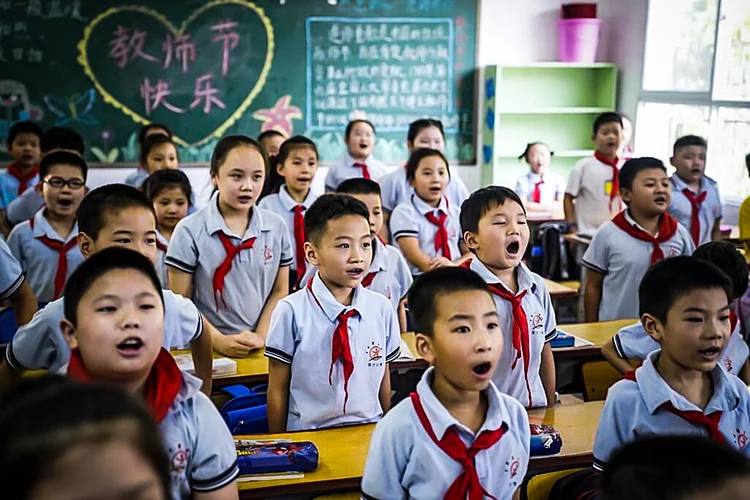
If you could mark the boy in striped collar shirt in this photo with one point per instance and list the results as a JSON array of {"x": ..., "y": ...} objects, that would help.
[
  {"x": 23, "y": 172},
  {"x": 457, "y": 436}
]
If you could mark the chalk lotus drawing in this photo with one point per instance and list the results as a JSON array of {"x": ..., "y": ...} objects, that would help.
[{"x": 202, "y": 115}]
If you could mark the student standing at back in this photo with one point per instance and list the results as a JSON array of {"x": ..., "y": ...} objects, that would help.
[
  {"x": 270, "y": 141},
  {"x": 696, "y": 203},
  {"x": 331, "y": 343},
  {"x": 426, "y": 228},
  {"x": 152, "y": 129},
  {"x": 625, "y": 247},
  {"x": 496, "y": 232},
  {"x": 157, "y": 152},
  {"x": 358, "y": 161},
  {"x": 296, "y": 163},
  {"x": 540, "y": 189},
  {"x": 170, "y": 192},
  {"x": 46, "y": 245},
  {"x": 23, "y": 172},
  {"x": 592, "y": 196},
  {"x": 233, "y": 257}
]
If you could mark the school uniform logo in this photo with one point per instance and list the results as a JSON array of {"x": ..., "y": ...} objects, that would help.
[
  {"x": 267, "y": 254},
  {"x": 740, "y": 438},
  {"x": 375, "y": 353},
  {"x": 511, "y": 467},
  {"x": 728, "y": 364},
  {"x": 673, "y": 252},
  {"x": 537, "y": 321},
  {"x": 388, "y": 293},
  {"x": 179, "y": 459}
]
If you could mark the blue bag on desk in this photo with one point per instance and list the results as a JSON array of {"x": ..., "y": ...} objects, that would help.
[
  {"x": 247, "y": 411},
  {"x": 264, "y": 457},
  {"x": 545, "y": 440}
]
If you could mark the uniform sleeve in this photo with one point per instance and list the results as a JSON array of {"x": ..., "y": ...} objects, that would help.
[
  {"x": 287, "y": 253},
  {"x": 596, "y": 257},
  {"x": 188, "y": 321},
  {"x": 521, "y": 190},
  {"x": 632, "y": 342},
  {"x": 559, "y": 187},
  {"x": 331, "y": 181},
  {"x": 388, "y": 456},
  {"x": 388, "y": 192},
  {"x": 182, "y": 252},
  {"x": 462, "y": 192},
  {"x": 15, "y": 244},
  {"x": 214, "y": 455},
  {"x": 574, "y": 180},
  {"x": 615, "y": 423},
  {"x": 721, "y": 202},
  {"x": 392, "y": 334},
  {"x": 688, "y": 245},
  {"x": 11, "y": 275},
  {"x": 550, "y": 320},
  {"x": 23, "y": 208},
  {"x": 39, "y": 344},
  {"x": 404, "y": 223},
  {"x": 280, "y": 342},
  {"x": 403, "y": 275}
]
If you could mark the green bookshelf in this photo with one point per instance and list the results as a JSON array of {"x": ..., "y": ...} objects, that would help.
[{"x": 551, "y": 102}]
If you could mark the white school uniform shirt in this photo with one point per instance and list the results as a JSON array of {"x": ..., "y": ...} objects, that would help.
[
  {"x": 409, "y": 220},
  {"x": 38, "y": 261},
  {"x": 346, "y": 170},
  {"x": 710, "y": 211},
  {"x": 540, "y": 314},
  {"x": 392, "y": 275},
  {"x": 552, "y": 189},
  {"x": 202, "y": 455},
  {"x": 590, "y": 182},
  {"x": 301, "y": 335},
  {"x": 162, "y": 245},
  {"x": 136, "y": 178},
  {"x": 11, "y": 274},
  {"x": 40, "y": 344},
  {"x": 395, "y": 189},
  {"x": 632, "y": 342},
  {"x": 623, "y": 260},
  {"x": 633, "y": 411},
  {"x": 283, "y": 205},
  {"x": 196, "y": 249},
  {"x": 403, "y": 461},
  {"x": 24, "y": 207}
]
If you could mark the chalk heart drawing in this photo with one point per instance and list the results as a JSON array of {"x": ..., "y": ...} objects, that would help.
[{"x": 128, "y": 100}]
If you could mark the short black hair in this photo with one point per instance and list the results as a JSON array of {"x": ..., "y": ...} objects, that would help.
[
  {"x": 96, "y": 266},
  {"x": 525, "y": 154},
  {"x": 62, "y": 138},
  {"x": 606, "y": 117},
  {"x": 270, "y": 133},
  {"x": 62, "y": 158},
  {"x": 427, "y": 287},
  {"x": 670, "y": 468},
  {"x": 675, "y": 277},
  {"x": 359, "y": 185},
  {"x": 47, "y": 416},
  {"x": 146, "y": 129},
  {"x": 329, "y": 207},
  {"x": 104, "y": 200},
  {"x": 417, "y": 126},
  {"x": 420, "y": 154},
  {"x": 688, "y": 140},
  {"x": 351, "y": 124},
  {"x": 725, "y": 256},
  {"x": 24, "y": 127},
  {"x": 167, "y": 178},
  {"x": 632, "y": 167},
  {"x": 482, "y": 201},
  {"x": 154, "y": 141}
]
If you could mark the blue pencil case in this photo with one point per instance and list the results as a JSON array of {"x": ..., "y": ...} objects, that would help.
[
  {"x": 563, "y": 340},
  {"x": 272, "y": 456},
  {"x": 545, "y": 440}
]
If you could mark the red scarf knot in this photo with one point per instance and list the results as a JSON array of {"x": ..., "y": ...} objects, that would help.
[
  {"x": 22, "y": 177},
  {"x": 62, "y": 250},
  {"x": 695, "y": 212},
  {"x": 667, "y": 229},
  {"x": 226, "y": 265},
  {"x": 365, "y": 170},
  {"x": 441, "y": 236},
  {"x": 536, "y": 196},
  {"x": 615, "y": 176}
]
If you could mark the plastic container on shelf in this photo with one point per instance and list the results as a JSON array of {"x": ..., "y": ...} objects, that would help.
[
  {"x": 577, "y": 40},
  {"x": 579, "y": 10}
]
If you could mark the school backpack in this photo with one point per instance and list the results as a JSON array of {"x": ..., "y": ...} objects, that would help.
[
  {"x": 247, "y": 411},
  {"x": 558, "y": 263}
]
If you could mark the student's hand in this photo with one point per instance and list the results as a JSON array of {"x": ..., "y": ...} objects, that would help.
[
  {"x": 239, "y": 345},
  {"x": 440, "y": 262}
]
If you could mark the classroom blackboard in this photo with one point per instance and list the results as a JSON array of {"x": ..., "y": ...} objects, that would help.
[{"x": 210, "y": 68}]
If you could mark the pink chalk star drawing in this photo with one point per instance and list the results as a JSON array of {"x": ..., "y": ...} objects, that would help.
[{"x": 280, "y": 116}]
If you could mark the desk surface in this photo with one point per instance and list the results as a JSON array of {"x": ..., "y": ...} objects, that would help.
[
  {"x": 343, "y": 451},
  {"x": 577, "y": 240},
  {"x": 559, "y": 291},
  {"x": 596, "y": 333}
]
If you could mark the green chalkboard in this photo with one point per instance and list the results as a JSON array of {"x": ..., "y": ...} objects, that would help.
[{"x": 209, "y": 68}]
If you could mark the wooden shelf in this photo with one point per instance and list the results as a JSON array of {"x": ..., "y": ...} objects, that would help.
[
  {"x": 571, "y": 153},
  {"x": 555, "y": 111}
]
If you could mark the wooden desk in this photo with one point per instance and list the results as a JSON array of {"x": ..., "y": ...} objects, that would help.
[
  {"x": 596, "y": 333},
  {"x": 577, "y": 240},
  {"x": 560, "y": 291},
  {"x": 343, "y": 452}
]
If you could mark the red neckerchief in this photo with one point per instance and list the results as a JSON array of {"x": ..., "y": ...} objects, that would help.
[
  {"x": 365, "y": 170},
  {"x": 615, "y": 176},
  {"x": 22, "y": 177},
  {"x": 710, "y": 423},
  {"x": 161, "y": 246},
  {"x": 340, "y": 348},
  {"x": 467, "y": 484},
  {"x": 62, "y": 249},
  {"x": 299, "y": 240},
  {"x": 667, "y": 229},
  {"x": 162, "y": 384},
  {"x": 226, "y": 265},
  {"x": 441, "y": 236},
  {"x": 695, "y": 212},
  {"x": 536, "y": 196}
]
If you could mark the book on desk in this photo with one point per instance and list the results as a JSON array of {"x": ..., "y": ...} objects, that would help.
[{"x": 221, "y": 366}]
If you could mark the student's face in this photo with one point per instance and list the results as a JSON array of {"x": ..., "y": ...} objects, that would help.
[
  {"x": 272, "y": 144},
  {"x": 375, "y": 206},
  {"x": 171, "y": 206},
  {"x": 538, "y": 158},
  {"x": 608, "y": 139},
  {"x": 161, "y": 157},
  {"x": 344, "y": 252},
  {"x": 240, "y": 178},
  {"x": 25, "y": 149},
  {"x": 120, "y": 328},
  {"x": 431, "y": 179},
  {"x": 95, "y": 471},
  {"x": 696, "y": 330},
  {"x": 62, "y": 201},
  {"x": 651, "y": 192},
  {"x": 429, "y": 137},
  {"x": 467, "y": 340},
  {"x": 134, "y": 228},
  {"x": 502, "y": 237},
  {"x": 690, "y": 163},
  {"x": 361, "y": 141},
  {"x": 299, "y": 169}
]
